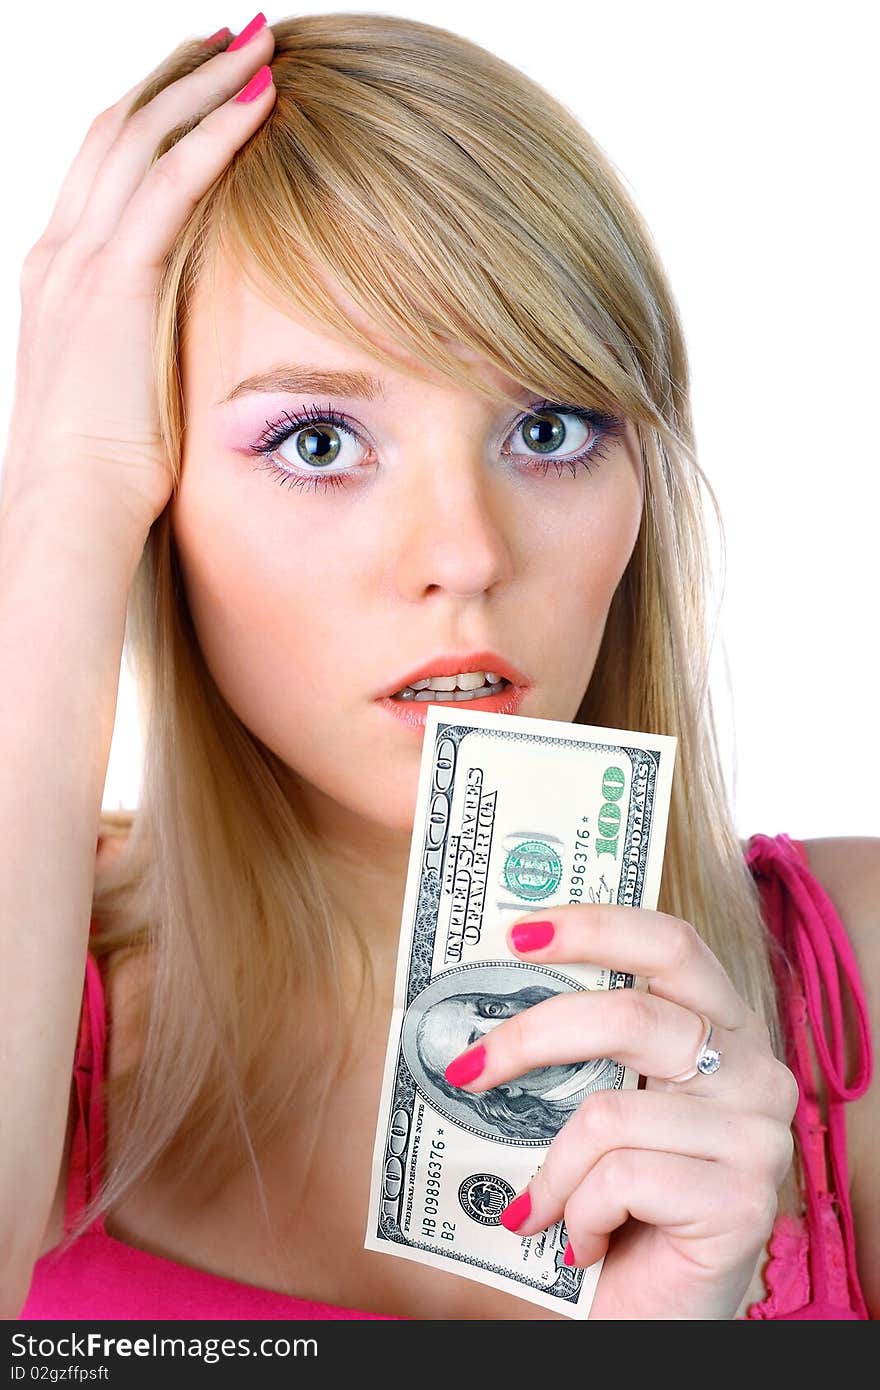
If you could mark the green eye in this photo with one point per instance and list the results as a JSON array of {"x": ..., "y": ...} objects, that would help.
[{"x": 542, "y": 427}]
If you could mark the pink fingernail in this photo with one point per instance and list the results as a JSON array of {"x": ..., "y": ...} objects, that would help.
[
  {"x": 517, "y": 1212},
  {"x": 531, "y": 936},
  {"x": 248, "y": 31},
  {"x": 568, "y": 1257},
  {"x": 465, "y": 1068},
  {"x": 258, "y": 83},
  {"x": 215, "y": 38}
]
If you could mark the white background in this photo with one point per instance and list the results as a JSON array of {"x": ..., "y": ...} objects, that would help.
[{"x": 747, "y": 135}]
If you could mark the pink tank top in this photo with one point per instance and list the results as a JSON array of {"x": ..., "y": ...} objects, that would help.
[{"x": 811, "y": 1271}]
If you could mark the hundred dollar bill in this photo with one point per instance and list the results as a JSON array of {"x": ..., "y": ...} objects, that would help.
[{"x": 512, "y": 814}]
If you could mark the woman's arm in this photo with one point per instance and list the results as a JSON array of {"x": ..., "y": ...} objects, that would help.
[{"x": 848, "y": 868}]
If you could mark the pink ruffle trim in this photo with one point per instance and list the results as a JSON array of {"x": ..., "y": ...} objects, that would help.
[{"x": 787, "y": 1272}]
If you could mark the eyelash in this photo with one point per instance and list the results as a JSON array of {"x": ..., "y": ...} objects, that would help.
[{"x": 277, "y": 432}]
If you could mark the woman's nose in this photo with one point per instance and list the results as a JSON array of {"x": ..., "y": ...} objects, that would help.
[{"x": 450, "y": 528}]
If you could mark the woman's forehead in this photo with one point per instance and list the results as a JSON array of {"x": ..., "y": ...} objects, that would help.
[{"x": 237, "y": 326}]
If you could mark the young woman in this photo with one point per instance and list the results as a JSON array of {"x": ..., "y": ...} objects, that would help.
[{"x": 345, "y": 352}]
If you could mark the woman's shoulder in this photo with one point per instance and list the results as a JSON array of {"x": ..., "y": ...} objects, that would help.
[{"x": 848, "y": 869}]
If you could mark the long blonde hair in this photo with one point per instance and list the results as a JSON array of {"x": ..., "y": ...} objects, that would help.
[{"x": 451, "y": 197}]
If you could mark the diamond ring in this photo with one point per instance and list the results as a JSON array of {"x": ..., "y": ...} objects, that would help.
[{"x": 708, "y": 1058}]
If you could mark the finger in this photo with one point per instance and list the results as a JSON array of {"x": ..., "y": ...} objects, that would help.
[
  {"x": 680, "y": 1124},
  {"x": 666, "y": 951},
  {"x": 694, "y": 1200},
  {"x": 586, "y": 1027},
  {"x": 130, "y": 199}
]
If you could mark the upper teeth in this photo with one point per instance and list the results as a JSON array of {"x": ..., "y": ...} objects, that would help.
[{"x": 467, "y": 680}]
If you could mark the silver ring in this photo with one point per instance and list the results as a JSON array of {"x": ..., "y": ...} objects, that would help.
[{"x": 708, "y": 1058}]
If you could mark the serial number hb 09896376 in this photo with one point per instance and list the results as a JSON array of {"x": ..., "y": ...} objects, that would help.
[{"x": 433, "y": 1182}]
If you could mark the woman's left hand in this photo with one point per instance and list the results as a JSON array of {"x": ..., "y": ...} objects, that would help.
[{"x": 689, "y": 1170}]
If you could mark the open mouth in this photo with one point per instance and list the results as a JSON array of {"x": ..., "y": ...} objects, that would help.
[{"x": 410, "y": 696}]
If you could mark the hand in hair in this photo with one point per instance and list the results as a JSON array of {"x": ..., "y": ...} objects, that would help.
[
  {"x": 674, "y": 1184},
  {"x": 85, "y": 433}
]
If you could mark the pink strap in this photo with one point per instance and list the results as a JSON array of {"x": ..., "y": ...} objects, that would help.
[{"x": 814, "y": 949}]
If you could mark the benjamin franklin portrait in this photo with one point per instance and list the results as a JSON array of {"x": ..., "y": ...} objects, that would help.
[{"x": 454, "y": 1012}]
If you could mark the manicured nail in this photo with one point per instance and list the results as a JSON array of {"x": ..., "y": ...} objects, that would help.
[
  {"x": 248, "y": 31},
  {"x": 531, "y": 936},
  {"x": 517, "y": 1212},
  {"x": 568, "y": 1257},
  {"x": 223, "y": 33},
  {"x": 258, "y": 83},
  {"x": 465, "y": 1068}
]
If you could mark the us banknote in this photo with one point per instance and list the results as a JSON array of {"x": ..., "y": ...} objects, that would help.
[{"x": 512, "y": 815}]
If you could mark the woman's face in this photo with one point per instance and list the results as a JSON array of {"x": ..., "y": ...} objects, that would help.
[{"x": 309, "y": 601}]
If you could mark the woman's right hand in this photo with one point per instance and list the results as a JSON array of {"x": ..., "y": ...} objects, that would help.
[{"x": 85, "y": 421}]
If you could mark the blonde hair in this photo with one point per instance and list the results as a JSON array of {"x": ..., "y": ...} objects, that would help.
[{"x": 452, "y": 198}]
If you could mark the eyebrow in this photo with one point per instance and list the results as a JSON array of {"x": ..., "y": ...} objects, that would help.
[{"x": 293, "y": 378}]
